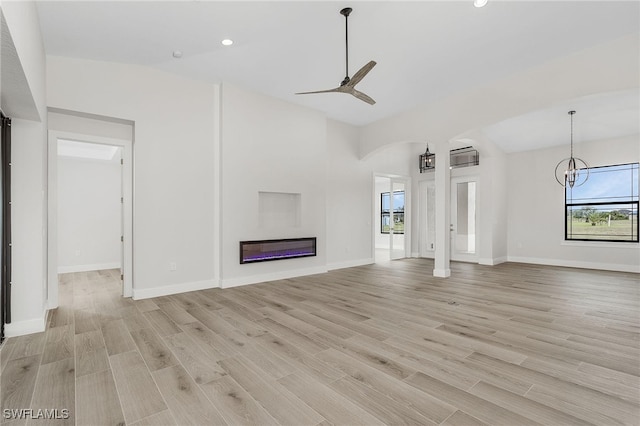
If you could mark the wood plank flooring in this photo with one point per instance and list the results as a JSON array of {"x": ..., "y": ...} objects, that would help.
[{"x": 512, "y": 344}]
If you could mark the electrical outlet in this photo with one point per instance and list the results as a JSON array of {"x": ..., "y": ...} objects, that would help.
[
  {"x": 77, "y": 253},
  {"x": 173, "y": 266}
]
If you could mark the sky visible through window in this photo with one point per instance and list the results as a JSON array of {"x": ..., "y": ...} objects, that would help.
[
  {"x": 398, "y": 201},
  {"x": 614, "y": 183}
]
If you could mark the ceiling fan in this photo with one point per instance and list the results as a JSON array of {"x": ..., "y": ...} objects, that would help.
[{"x": 348, "y": 84}]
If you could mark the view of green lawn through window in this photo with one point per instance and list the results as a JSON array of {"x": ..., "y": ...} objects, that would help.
[
  {"x": 605, "y": 207},
  {"x": 398, "y": 212}
]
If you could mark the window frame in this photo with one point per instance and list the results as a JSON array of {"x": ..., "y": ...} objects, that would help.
[
  {"x": 388, "y": 213},
  {"x": 634, "y": 201}
]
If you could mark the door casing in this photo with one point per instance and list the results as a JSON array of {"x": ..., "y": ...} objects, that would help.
[{"x": 52, "y": 210}]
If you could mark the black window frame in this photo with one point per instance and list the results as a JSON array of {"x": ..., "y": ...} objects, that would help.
[
  {"x": 633, "y": 201},
  {"x": 387, "y": 213}
]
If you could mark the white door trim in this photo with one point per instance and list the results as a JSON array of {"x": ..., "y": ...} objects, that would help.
[
  {"x": 407, "y": 213},
  {"x": 406, "y": 251},
  {"x": 52, "y": 209}
]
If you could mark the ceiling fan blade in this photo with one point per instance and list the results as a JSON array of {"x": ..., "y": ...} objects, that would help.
[
  {"x": 337, "y": 89},
  {"x": 362, "y": 96},
  {"x": 361, "y": 73}
]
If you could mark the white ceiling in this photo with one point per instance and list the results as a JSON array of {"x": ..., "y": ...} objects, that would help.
[
  {"x": 597, "y": 117},
  {"x": 425, "y": 50}
]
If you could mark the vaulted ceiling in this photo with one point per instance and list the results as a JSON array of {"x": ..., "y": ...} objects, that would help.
[{"x": 425, "y": 50}]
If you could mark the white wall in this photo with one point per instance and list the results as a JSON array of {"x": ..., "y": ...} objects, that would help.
[
  {"x": 349, "y": 204},
  {"x": 536, "y": 208},
  {"x": 89, "y": 214},
  {"x": 353, "y": 204},
  {"x": 494, "y": 210},
  {"x": 269, "y": 145},
  {"x": 492, "y": 203},
  {"x": 173, "y": 161},
  {"x": 28, "y": 171},
  {"x": 28, "y": 207},
  {"x": 611, "y": 66}
]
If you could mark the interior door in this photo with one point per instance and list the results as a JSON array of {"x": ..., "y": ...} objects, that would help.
[
  {"x": 397, "y": 202},
  {"x": 463, "y": 220}
]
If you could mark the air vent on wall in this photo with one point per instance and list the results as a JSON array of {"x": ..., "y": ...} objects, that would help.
[{"x": 464, "y": 157}]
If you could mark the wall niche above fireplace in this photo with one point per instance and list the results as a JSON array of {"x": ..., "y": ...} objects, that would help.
[
  {"x": 266, "y": 250},
  {"x": 279, "y": 210}
]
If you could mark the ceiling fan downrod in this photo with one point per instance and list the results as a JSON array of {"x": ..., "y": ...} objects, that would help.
[{"x": 345, "y": 12}]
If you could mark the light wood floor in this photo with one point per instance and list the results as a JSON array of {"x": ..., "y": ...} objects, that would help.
[{"x": 510, "y": 345}]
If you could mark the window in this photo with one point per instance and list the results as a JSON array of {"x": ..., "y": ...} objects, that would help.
[
  {"x": 398, "y": 212},
  {"x": 605, "y": 207}
]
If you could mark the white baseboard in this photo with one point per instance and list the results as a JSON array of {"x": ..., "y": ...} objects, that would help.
[
  {"x": 442, "y": 273},
  {"x": 89, "y": 267},
  {"x": 20, "y": 328},
  {"x": 493, "y": 261},
  {"x": 431, "y": 255},
  {"x": 147, "y": 293},
  {"x": 576, "y": 264},
  {"x": 254, "y": 279},
  {"x": 350, "y": 264}
]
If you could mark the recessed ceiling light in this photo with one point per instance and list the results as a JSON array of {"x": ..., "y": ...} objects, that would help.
[
  {"x": 177, "y": 54},
  {"x": 227, "y": 42},
  {"x": 480, "y": 3}
]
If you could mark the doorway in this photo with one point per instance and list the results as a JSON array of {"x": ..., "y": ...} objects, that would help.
[
  {"x": 75, "y": 210},
  {"x": 391, "y": 212},
  {"x": 464, "y": 230},
  {"x": 463, "y": 220}
]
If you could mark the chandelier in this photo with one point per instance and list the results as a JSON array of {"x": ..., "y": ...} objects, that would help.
[{"x": 572, "y": 174}]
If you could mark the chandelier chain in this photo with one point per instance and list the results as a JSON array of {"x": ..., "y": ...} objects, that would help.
[{"x": 571, "y": 114}]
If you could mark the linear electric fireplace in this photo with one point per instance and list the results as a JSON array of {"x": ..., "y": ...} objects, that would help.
[{"x": 264, "y": 250}]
